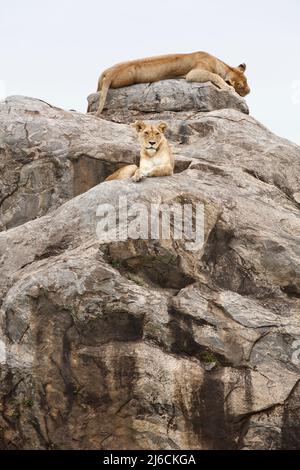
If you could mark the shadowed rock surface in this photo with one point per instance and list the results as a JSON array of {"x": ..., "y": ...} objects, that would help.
[{"x": 145, "y": 344}]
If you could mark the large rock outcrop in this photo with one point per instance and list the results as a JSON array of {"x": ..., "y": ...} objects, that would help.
[
  {"x": 173, "y": 99},
  {"x": 109, "y": 344}
]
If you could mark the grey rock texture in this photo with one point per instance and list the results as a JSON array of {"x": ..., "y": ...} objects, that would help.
[
  {"x": 173, "y": 99},
  {"x": 48, "y": 155},
  {"x": 144, "y": 344}
]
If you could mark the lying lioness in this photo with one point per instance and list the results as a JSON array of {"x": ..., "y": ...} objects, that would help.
[
  {"x": 156, "y": 156},
  {"x": 195, "y": 67}
]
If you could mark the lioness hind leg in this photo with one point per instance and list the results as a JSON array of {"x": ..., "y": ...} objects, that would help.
[
  {"x": 123, "y": 173},
  {"x": 201, "y": 76}
]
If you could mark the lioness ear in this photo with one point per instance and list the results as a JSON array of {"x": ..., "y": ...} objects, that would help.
[
  {"x": 242, "y": 67},
  {"x": 162, "y": 126},
  {"x": 139, "y": 126}
]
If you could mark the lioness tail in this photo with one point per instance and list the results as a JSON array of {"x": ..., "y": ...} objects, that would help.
[{"x": 104, "y": 84}]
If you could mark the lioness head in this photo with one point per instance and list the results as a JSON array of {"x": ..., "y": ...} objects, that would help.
[
  {"x": 236, "y": 78},
  {"x": 150, "y": 136}
]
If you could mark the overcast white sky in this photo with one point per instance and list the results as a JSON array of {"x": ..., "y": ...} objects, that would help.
[{"x": 55, "y": 50}]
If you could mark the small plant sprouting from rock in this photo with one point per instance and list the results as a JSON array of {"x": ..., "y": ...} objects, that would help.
[
  {"x": 77, "y": 391},
  {"x": 137, "y": 279},
  {"x": 116, "y": 263},
  {"x": 28, "y": 403},
  {"x": 208, "y": 357}
]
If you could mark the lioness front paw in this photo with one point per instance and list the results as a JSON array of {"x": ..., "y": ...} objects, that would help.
[
  {"x": 229, "y": 88},
  {"x": 138, "y": 176}
]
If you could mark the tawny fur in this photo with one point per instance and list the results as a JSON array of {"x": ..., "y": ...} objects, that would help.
[
  {"x": 156, "y": 156},
  {"x": 194, "y": 67}
]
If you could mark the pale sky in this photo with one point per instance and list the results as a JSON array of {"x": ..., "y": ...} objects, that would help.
[{"x": 54, "y": 50}]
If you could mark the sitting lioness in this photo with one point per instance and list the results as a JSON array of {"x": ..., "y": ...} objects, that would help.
[
  {"x": 194, "y": 67},
  {"x": 156, "y": 156}
]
